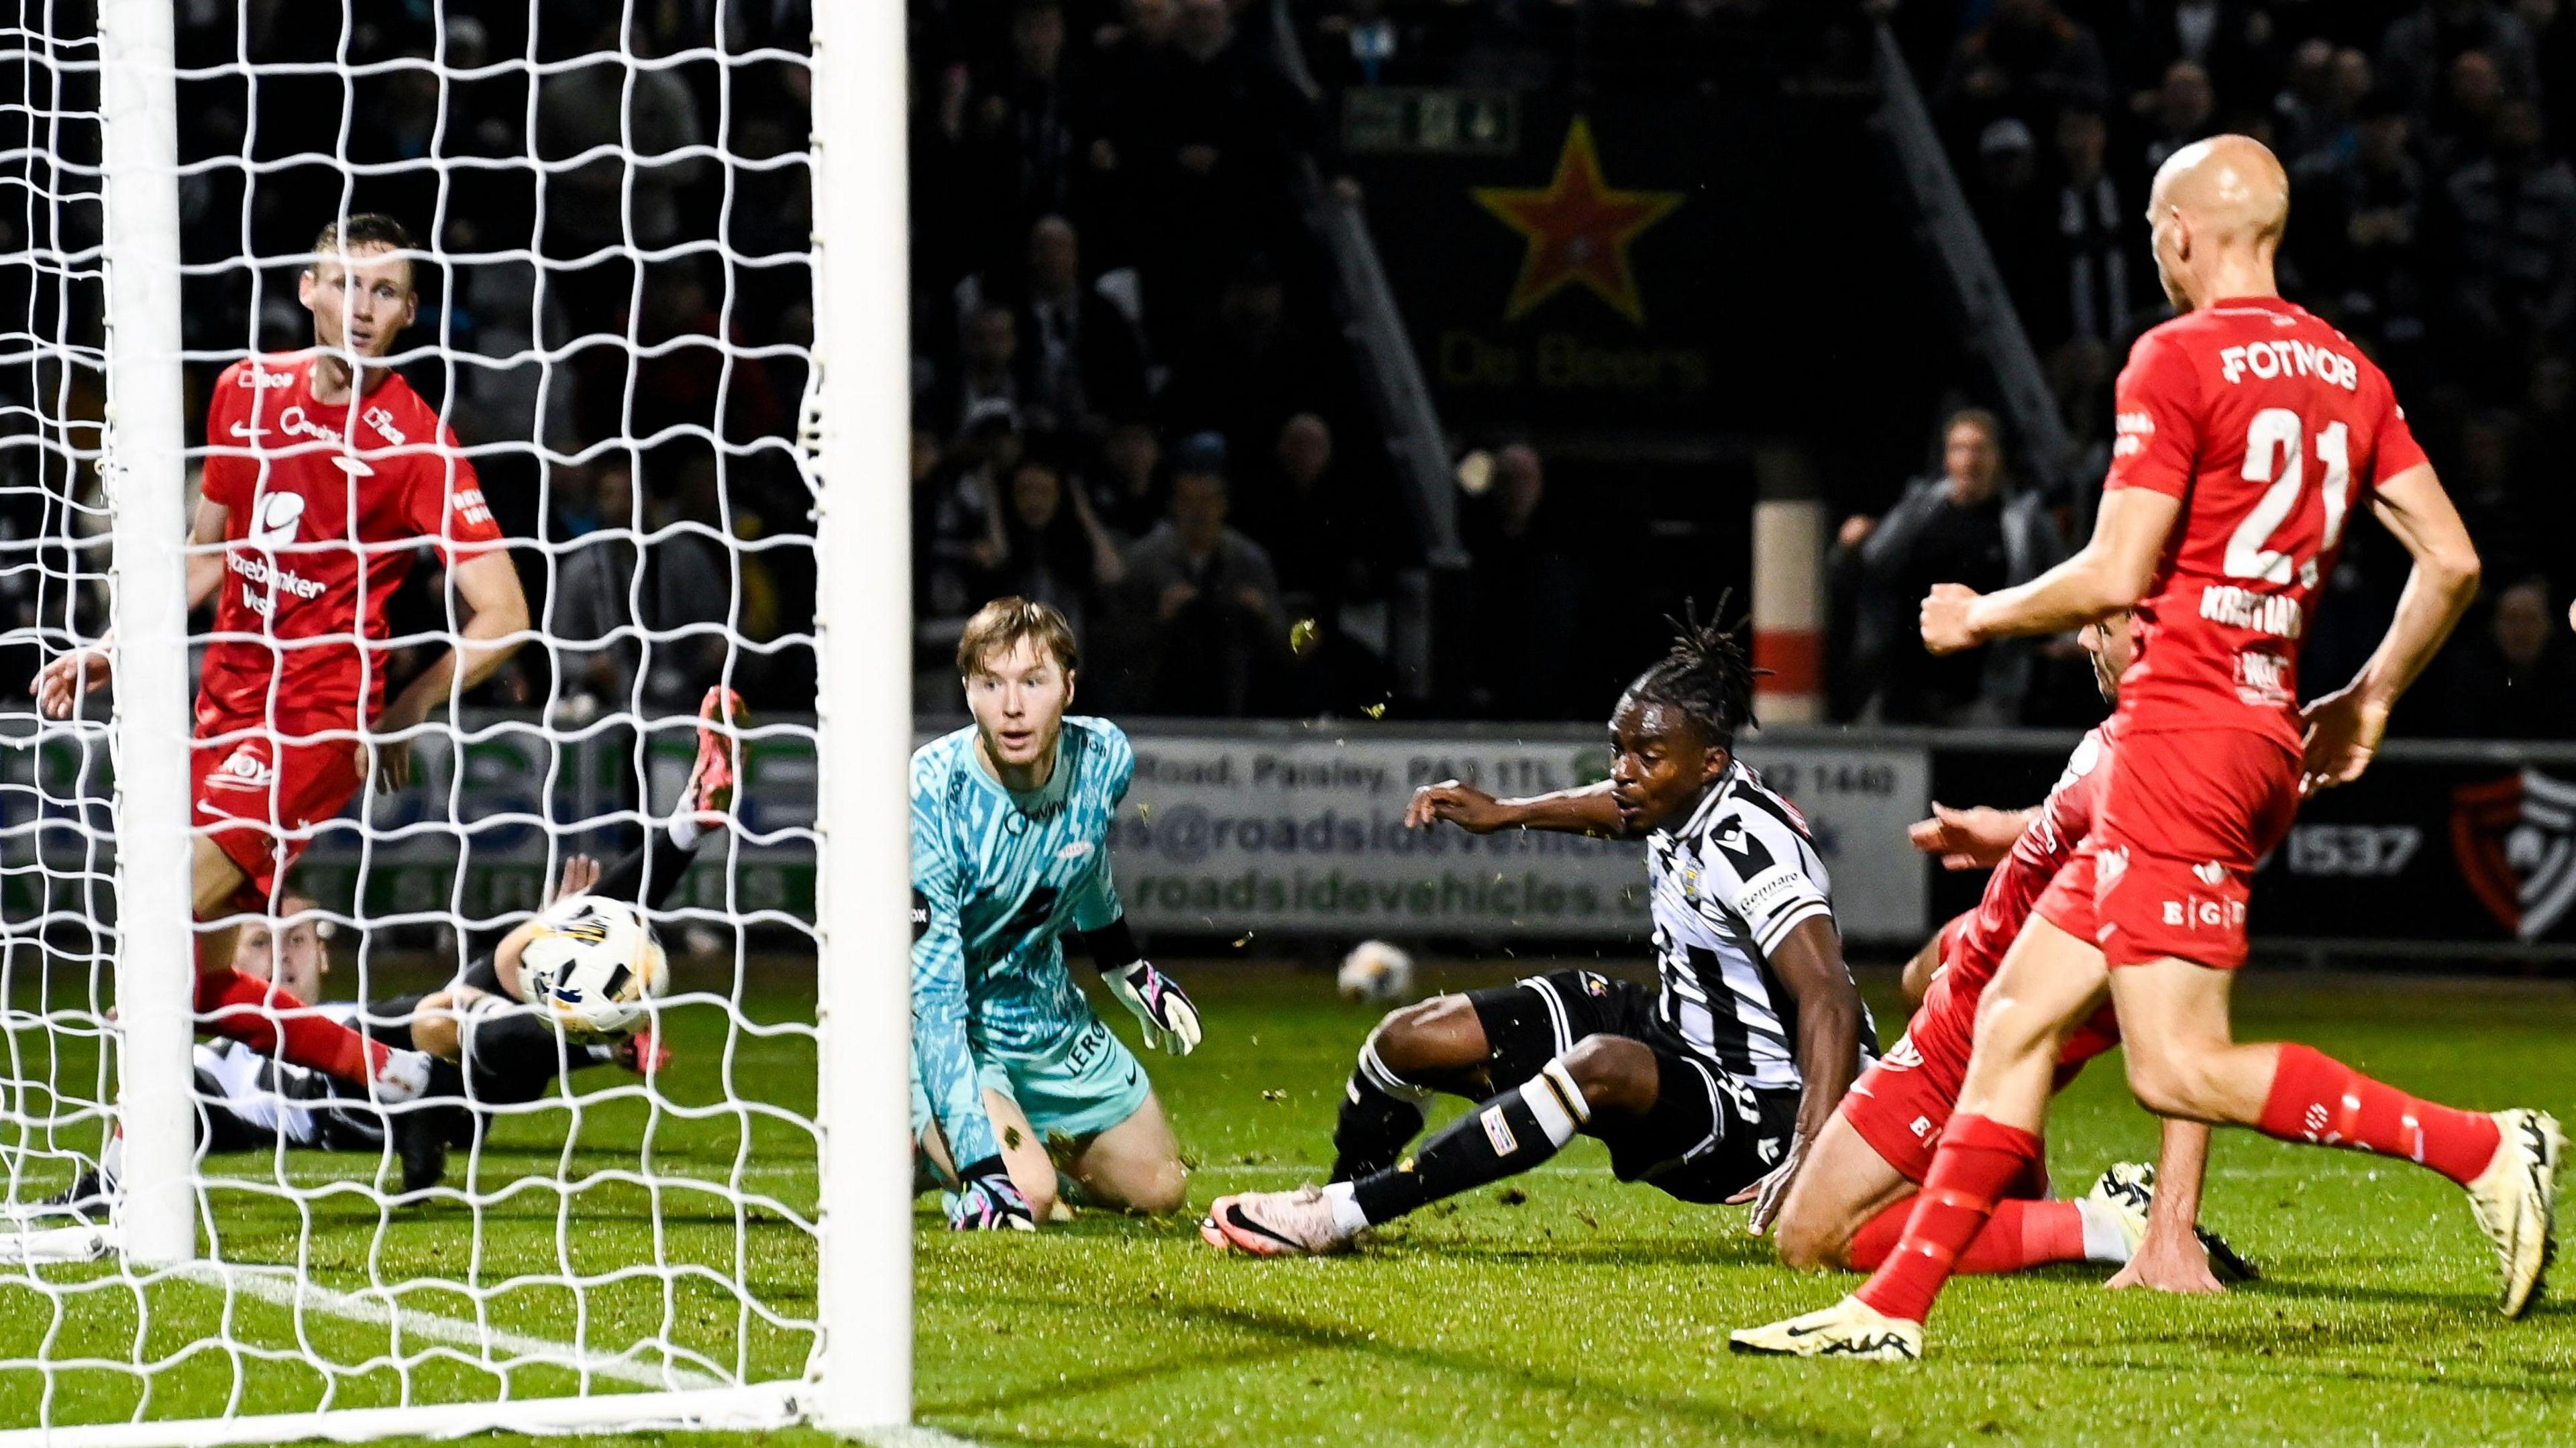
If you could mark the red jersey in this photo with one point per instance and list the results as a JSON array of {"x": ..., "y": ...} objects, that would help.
[
  {"x": 328, "y": 504},
  {"x": 2046, "y": 844},
  {"x": 2272, "y": 428}
]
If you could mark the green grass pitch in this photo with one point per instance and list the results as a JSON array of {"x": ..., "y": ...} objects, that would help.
[{"x": 1565, "y": 1310}]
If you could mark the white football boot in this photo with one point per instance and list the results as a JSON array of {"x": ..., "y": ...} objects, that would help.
[
  {"x": 1850, "y": 1328},
  {"x": 2515, "y": 1199},
  {"x": 1275, "y": 1224}
]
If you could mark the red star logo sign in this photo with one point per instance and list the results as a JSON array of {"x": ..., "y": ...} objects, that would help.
[{"x": 1578, "y": 229}]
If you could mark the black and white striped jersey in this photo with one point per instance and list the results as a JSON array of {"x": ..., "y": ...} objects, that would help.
[{"x": 1729, "y": 885}]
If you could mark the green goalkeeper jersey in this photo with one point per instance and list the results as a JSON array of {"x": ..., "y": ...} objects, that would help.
[{"x": 997, "y": 879}]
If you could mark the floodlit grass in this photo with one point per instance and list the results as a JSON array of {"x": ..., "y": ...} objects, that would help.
[{"x": 1570, "y": 1310}]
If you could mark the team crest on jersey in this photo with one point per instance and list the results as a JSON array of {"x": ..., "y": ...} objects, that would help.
[{"x": 2515, "y": 839}]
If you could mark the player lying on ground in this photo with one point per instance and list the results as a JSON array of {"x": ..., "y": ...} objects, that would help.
[
  {"x": 247, "y": 1101},
  {"x": 2211, "y": 529},
  {"x": 499, "y": 1049},
  {"x": 321, "y": 484},
  {"x": 1012, "y": 1073},
  {"x": 1710, "y": 1085},
  {"x": 1851, "y": 1200}
]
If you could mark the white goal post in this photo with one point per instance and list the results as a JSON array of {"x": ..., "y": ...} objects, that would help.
[{"x": 770, "y": 1277}]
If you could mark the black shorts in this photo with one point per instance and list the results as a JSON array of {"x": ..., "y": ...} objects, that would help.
[{"x": 1709, "y": 1135}]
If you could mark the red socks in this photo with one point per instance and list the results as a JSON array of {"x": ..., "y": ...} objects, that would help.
[
  {"x": 232, "y": 1004},
  {"x": 1978, "y": 1159},
  {"x": 2020, "y": 1234},
  {"x": 2321, "y": 1101}
]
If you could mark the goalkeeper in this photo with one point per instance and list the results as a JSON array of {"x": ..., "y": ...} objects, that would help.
[{"x": 1013, "y": 1076}]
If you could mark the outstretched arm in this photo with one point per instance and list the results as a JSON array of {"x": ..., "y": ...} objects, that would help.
[
  {"x": 1809, "y": 963},
  {"x": 2109, "y": 574},
  {"x": 1584, "y": 811},
  {"x": 2171, "y": 1258}
]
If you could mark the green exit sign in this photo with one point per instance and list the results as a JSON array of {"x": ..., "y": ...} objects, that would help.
[{"x": 1390, "y": 120}]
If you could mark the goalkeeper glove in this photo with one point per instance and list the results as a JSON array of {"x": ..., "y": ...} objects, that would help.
[
  {"x": 987, "y": 1201},
  {"x": 1171, "y": 1023}
]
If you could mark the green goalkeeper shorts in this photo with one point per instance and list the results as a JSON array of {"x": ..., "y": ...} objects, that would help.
[{"x": 1080, "y": 1084}]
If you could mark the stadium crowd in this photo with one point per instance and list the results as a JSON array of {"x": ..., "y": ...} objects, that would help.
[{"x": 2433, "y": 220}]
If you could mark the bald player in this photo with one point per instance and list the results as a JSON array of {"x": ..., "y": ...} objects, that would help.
[{"x": 2245, "y": 428}]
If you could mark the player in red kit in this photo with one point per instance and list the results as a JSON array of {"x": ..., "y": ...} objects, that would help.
[
  {"x": 322, "y": 483},
  {"x": 2248, "y": 433},
  {"x": 1849, "y": 1205}
]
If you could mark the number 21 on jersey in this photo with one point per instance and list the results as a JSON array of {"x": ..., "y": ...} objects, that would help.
[{"x": 2274, "y": 455}]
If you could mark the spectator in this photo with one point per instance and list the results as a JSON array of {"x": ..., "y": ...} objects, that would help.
[
  {"x": 1526, "y": 595},
  {"x": 987, "y": 371},
  {"x": 2027, "y": 61},
  {"x": 2181, "y": 110},
  {"x": 1127, "y": 493},
  {"x": 589, "y": 604},
  {"x": 957, "y": 514},
  {"x": 636, "y": 117},
  {"x": 1054, "y": 551},
  {"x": 1086, "y": 362},
  {"x": 2421, "y": 45},
  {"x": 1204, "y": 607},
  {"x": 2095, "y": 231},
  {"x": 2517, "y": 678},
  {"x": 1249, "y": 367},
  {"x": 2021, "y": 225},
  {"x": 2512, "y": 218},
  {"x": 2362, "y": 254},
  {"x": 1952, "y": 528},
  {"x": 2456, "y": 130},
  {"x": 2304, "y": 113}
]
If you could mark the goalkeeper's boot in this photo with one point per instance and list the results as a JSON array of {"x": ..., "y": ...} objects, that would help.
[
  {"x": 645, "y": 1053},
  {"x": 2515, "y": 1199},
  {"x": 1275, "y": 1224},
  {"x": 1850, "y": 1328},
  {"x": 718, "y": 772},
  {"x": 2124, "y": 1192}
]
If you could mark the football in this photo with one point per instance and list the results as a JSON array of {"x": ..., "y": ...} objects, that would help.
[
  {"x": 1377, "y": 972},
  {"x": 593, "y": 964}
]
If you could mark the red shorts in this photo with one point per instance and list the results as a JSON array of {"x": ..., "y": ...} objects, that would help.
[
  {"x": 2184, "y": 819},
  {"x": 259, "y": 798},
  {"x": 1900, "y": 1105}
]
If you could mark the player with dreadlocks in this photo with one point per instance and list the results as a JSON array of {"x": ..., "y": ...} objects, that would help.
[{"x": 1708, "y": 1087}]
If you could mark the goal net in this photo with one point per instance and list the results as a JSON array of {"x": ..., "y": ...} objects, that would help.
[{"x": 635, "y": 244}]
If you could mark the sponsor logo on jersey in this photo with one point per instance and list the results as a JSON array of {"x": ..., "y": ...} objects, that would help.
[
  {"x": 294, "y": 423},
  {"x": 251, "y": 379},
  {"x": 276, "y": 519},
  {"x": 382, "y": 420},
  {"x": 2291, "y": 358},
  {"x": 1074, "y": 851},
  {"x": 2515, "y": 839}
]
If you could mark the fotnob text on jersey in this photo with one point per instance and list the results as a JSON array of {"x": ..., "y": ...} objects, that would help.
[{"x": 2289, "y": 358}]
